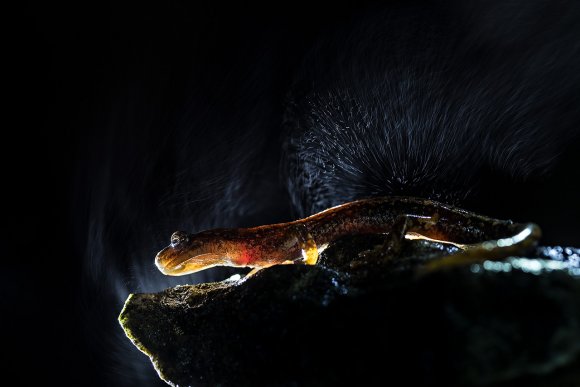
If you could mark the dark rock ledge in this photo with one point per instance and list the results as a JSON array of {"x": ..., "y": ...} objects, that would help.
[{"x": 371, "y": 321}]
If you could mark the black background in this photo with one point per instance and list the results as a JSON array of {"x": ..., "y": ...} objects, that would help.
[
  {"x": 78, "y": 67},
  {"x": 84, "y": 68}
]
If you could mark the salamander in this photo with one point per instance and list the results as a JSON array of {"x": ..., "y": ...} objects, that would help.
[{"x": 302, "y": 240}]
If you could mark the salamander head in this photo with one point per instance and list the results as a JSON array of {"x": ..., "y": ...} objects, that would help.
[{"x": 189, "y": 253}]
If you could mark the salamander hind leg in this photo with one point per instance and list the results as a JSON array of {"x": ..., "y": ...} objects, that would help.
[{"x": 394, "y": 239}]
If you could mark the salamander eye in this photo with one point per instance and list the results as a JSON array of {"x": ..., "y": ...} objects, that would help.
[{"x": 178, "y": 237}]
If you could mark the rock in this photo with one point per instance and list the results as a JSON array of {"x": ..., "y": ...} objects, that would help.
[{"x": 365, "y": 319}]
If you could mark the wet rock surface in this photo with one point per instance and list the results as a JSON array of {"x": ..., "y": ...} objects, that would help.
[{"x": 360, "y": 317}]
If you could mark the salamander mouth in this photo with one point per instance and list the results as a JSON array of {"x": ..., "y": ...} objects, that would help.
[
  {"x": 167, "y": 264},
  {"x": 177, "y": 266}
]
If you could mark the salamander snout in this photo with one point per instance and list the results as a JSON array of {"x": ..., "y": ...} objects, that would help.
[
  {"x": 179, "y": 239},
  {"x": 189, "y": 253}
]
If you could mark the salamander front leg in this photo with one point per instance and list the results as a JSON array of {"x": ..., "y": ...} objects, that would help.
[
  {"x": 309, "y": 250},
  {"x": 253, "y": 272},
  {"x": 307, "y": 245},
  {"x": 257, "y": 269}
]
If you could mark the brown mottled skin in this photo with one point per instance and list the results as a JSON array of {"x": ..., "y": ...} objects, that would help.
[{"x": 264, "y": 246}]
